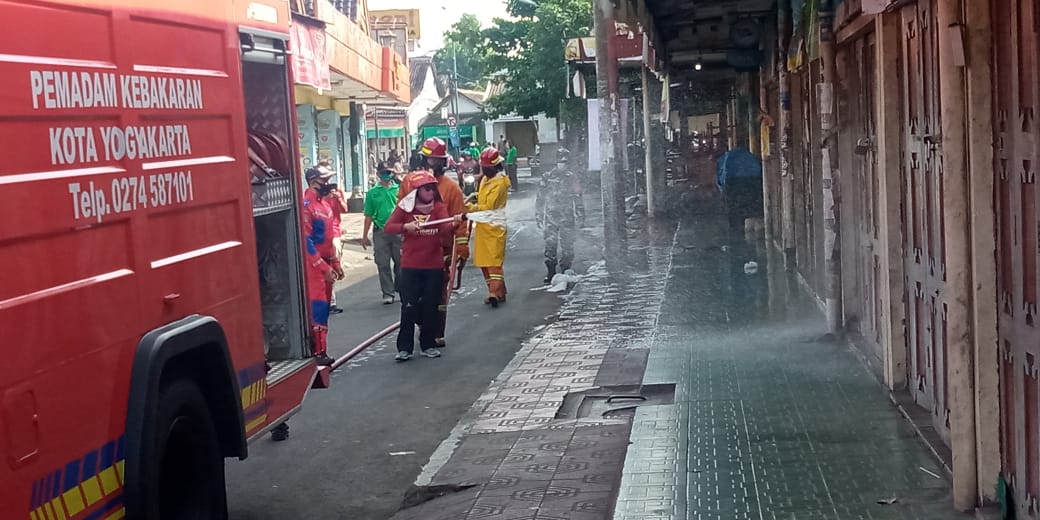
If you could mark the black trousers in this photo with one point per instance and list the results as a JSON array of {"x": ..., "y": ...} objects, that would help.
[{"x": 420, "y": 291}]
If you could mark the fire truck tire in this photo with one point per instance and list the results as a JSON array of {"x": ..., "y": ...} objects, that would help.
[{"x": 191, "y": 468}]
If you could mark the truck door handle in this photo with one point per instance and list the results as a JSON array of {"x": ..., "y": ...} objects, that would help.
[{"x": 169, "y": 298}]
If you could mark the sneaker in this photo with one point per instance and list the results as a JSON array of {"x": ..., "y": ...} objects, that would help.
[
  {"x": 402, "y": 356},
  {"x": 431, "y": 353},
  {"x": 335, "y": 310},
  {"x": 387, "y": 300},
  {"x": 324, "y": 360}
]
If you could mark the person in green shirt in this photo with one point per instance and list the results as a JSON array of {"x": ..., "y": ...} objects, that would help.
[
  {"x": 379, "y": 204},
  {"x": 511, "y": 165}
]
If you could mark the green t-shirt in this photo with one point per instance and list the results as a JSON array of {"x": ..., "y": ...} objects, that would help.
[
  {"x": 511, "y": 155},
  {"x": 380, "y": 203}
]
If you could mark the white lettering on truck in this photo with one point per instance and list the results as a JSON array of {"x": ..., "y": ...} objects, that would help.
[
  {"x": 63, "y": 89},
  {"x": 77, "y": 145},
  {"x": 53, "y": 89}
]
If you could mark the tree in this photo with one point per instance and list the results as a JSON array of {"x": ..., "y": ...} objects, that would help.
[
  {"x": 466, "y": 39},
  {"x": 526, "y": 54}
]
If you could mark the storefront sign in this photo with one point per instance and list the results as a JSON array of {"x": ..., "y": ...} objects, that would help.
[{"x": 310, "y": 62}]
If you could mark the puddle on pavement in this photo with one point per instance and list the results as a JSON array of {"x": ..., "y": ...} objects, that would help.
[{"x": 614, "y": 401}]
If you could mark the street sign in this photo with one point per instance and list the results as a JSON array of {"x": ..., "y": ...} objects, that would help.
[{"x": 451, "y": 122}]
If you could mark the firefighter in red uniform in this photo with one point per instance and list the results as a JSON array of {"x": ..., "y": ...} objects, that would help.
[
  {"x": 435, "y": 159},
  {"x": 337, "y": 201},
  {"x": 323, "y": 267}
]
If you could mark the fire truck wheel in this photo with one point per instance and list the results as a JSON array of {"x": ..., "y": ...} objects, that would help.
[{"x": 191, "y": 472}]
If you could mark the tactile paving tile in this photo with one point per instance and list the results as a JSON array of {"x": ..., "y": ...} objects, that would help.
[{"x": 768, "y": 423}]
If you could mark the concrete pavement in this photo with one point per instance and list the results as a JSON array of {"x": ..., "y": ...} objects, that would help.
[
  {"x": 356, "y": 448},
  {"x": 679, "y": 387}
]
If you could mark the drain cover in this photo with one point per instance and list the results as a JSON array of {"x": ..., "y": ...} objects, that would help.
[{"x": 612, "y": 401}]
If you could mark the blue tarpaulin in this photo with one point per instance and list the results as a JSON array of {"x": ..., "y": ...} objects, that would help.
[{"x": 737, "y": 162}]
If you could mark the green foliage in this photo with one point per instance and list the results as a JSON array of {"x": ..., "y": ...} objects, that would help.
[
  {"x": 524, "y": 54},
  {"x": 466, "y": 39}
]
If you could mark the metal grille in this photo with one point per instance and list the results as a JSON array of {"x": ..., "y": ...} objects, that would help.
[{"x": 272, "y": 196}]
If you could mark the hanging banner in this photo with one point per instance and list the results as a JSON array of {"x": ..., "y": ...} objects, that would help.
[
  {"x": 310, "y": 62},
  {"x": 595, "y": 153}
]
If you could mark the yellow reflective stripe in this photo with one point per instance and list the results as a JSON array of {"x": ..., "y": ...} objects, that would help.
[
  {"x": 47, "y": 508},
  {"x": 117, "y": 514},
  {"x": 59, "y": 511},
  {"x": 263, "y": 388},
  {"x": 461, "y": 240},
  {"x": 73, "y": 501},
  {"x": 91, "y": 490},
  {"x": 442, "y": 308},
  {"x": 32, "y": 515},
  {"x": 256, "y": 423},
  {"x": 119, "y": 471},
  {"x": 109, "y": 484}
]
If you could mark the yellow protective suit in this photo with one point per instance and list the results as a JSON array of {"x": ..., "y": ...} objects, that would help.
[{"x": 489, "y": 242}]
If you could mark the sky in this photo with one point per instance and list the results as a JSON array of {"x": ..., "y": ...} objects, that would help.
[{"x": 436, "y": 16}]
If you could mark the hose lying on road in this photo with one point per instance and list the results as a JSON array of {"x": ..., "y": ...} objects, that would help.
[{"x": 364, "y": 345}]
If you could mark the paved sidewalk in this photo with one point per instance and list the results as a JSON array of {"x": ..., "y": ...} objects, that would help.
[{"x": 769, "y": 420}]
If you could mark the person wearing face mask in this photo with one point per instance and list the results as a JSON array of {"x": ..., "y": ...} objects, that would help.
[
  {"x": 322, "y": 266},
  {"x": 435, "y": 163},
  {"x": 559, "y": 209},
  {"x": 422, "y": 264},
  {"x": 380, "y": 202},
  {"x": 489, "y": 240}
]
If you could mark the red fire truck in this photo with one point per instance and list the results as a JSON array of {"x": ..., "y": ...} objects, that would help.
[{"x": 151, "y": 290}]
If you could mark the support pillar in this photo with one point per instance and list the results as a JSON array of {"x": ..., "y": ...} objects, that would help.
[
  {"x": 783, "y": 79},
  {"x": 767, "y": 166},
  {"x": 829, "y": 166},
  {"x": 651, "y": 130},
  {"x": 888, "y": 146},
  {"x": 983, "y": 243},
  {"x": 354, "y": 141},
  {"x": 958, "y": 291},
  {"x": 609, "y": 121}
]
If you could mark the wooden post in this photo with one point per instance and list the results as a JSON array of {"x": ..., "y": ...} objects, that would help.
[
  {"x": 983, "y": 244},
  {"x": 888, "y": 146},
  {"x": 609, "y": 130},
  {"x": 958, "y": 291},
  {"x": 784, "y": 128},
  {"x": 830, "y": 174}
]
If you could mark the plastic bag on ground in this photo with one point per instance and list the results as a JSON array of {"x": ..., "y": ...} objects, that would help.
[{"x": 561, "y": 281}]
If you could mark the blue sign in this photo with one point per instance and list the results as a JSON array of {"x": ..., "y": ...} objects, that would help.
[{"x": 453, "y": 134}]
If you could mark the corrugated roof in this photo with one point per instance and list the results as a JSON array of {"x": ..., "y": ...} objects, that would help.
[{"x": 419, "y": 67}]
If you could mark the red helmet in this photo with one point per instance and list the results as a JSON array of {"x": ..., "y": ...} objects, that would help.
[
  {"x": 421, "y": 178},
  {"x": 434, "y": 147},
  {"x": 490, "y": 157}
]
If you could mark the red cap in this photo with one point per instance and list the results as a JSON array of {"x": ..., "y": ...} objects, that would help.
[
  {"x": 422, "y": 178},
  {"x": 490, "y": 157},
  {"x": 434, "y": 147}
]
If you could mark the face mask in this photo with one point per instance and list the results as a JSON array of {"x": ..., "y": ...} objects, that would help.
[
  {"x": 326, "y": 189},
  {"x": 386, "y": 177}
]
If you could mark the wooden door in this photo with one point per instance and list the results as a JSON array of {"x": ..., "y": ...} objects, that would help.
[
  {"x": 1015, "y": 157},
  {"x": 859, "y": 194},
  {"x": 924, "y": 238}
]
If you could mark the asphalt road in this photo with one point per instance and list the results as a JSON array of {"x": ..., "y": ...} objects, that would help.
[{"x": 356, "y": 448}]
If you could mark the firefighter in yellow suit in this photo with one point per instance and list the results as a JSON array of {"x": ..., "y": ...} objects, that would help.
[{"x": 489, "y": 241}]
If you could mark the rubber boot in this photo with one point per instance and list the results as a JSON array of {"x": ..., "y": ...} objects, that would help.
[
  {"x": 280, "y": 433},
  {"x": 550, "y": 269}
]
